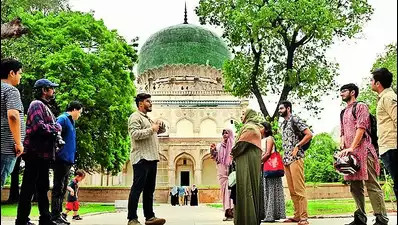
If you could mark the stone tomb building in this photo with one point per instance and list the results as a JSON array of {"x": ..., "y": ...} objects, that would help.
[{"x": 180, "y": 66}]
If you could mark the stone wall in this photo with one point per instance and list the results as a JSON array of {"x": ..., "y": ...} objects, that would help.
[{"x": 206, "y": 195}]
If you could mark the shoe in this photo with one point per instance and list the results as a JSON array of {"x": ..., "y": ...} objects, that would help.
[
  {"x": 155, "y": 221},
  {"x": 378, "y": 222},
  {"x": 291, "y": 220},
  {"x": 77, "y": 217},
  {"x": 134, "y": 222},
  {"x": 356, "y": 222},
  {"x": 27, "y": 223},
  {"x": 48, "y": 222},
  {"x": 64, "y": 215},
  {"x": 61, "y": 221},
  {"x": 303, "y": 222}
]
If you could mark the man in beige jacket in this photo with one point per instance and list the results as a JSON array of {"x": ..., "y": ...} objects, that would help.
[
  {"x": 144, "y": 157},
  {"x": 386, "y": 114}
]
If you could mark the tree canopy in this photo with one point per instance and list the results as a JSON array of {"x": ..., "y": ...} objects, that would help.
[
  {"x": 279, "y": 46},
  {"x": 388, "y": 60},
  {"x": 93, "y": 65}
]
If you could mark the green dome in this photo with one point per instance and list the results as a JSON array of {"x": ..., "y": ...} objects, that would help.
[{"x": 182, "y": 44}]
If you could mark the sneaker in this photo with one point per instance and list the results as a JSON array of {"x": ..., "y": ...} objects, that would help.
[
  {"x": 61, "y": 221},
  {"x": 48, "y": 222},
  {"x": 77, "y": 217},
  {"x": 155, "y": 221},
  {"x": 134, "y": 222},
  {"x": 378, "y": 222},
  {"x": 356, "y": 222},
  {"x": 64, "y": 215}
]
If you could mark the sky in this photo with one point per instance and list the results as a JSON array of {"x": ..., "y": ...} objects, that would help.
[{"x": 142, "y": 18}]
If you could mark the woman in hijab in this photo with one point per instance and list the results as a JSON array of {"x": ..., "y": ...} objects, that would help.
[
  {"x": 174, "y": 196},
  {"x": 221, "y": 153},
  {"x": 194, "y": 195},
  {"x": 247, "y": 155}
]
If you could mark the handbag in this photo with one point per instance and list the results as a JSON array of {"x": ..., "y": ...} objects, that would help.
[
  {"x": 232, "y": 175},
  {"x": 273, "y": 167}
]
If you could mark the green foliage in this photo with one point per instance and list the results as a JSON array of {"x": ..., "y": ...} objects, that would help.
[
  {"x": 182, "y": 44},
  {"x": 319, "y": 160},
  {"x": 279, "y": 46},
  {"x": 387, "y": 60},
  {"x": 45, "y": 6},
  {"x": 93, "y": 65}
]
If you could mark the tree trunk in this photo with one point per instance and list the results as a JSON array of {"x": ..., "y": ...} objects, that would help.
[
  {"x": 255, "y": 89},
  {"x": 286, "y": 87},
  {"x": 14, "y": 187},
  {"x": 13, "y": 29}
]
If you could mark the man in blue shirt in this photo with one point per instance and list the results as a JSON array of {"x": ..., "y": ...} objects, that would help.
[{"x": 65, "y": 158}]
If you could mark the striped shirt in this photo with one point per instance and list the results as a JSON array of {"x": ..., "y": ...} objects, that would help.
[
  {"x": 144, "y": 142},
  {"x": 10, "y": 99}
]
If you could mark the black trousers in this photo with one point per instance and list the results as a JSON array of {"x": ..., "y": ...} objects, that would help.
[
  {"x": 35, "y": 178},
  {"x": 60, "y": 180},
  {"x": 144, "y": 181},
  {"x": 390, "y": 159}
]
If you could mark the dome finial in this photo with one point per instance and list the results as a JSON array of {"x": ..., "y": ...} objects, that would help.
[{"x": 185, "y": 14}]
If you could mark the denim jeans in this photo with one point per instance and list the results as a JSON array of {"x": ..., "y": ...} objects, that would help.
[
  {"x": 7, "y": 166},
  {"x": 61, "y": 179},
  {"x": 390, "y": 159}
]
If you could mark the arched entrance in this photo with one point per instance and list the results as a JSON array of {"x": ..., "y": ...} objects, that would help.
[{"x": 184, "y": 170}]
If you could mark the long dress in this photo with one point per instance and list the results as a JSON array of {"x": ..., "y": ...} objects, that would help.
[
  {"x": 248, "y": 178},
  {"x": 194, "y": 197},
  {"x": 274, "y": 199}
]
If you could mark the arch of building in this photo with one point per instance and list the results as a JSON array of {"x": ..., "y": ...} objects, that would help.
[
  {"x": 208, "y": 127},
  {"x": 184, "y": 128},
  {"x": 209, "y": 171},
  {"x": 184, "y": 166}
]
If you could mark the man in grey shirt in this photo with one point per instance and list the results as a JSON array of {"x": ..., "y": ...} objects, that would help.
[
  {"x": 12, "y": 119},
  {"x": 144, "y": 157}
]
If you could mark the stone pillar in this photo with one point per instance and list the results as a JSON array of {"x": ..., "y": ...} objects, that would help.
[{"x": 198, "y": 177}]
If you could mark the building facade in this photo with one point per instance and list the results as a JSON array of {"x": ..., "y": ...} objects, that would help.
[{"x": 180, "y": 66}]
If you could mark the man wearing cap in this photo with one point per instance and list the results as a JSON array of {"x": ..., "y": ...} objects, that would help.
[{"x": 39, "y": 150}]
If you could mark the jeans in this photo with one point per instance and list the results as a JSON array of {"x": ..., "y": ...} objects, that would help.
[
  {"x": 35, "y": 178},
  {"x": 7, "y": 166},
  {"x": 144, "y": 181},
  {"x": 61, "y": 179},
  {"x": 390, "y": 159}
]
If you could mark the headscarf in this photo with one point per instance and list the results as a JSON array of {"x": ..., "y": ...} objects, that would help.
[
  {"x": 250, "y": 132},
  {"x": 174, "y": 191},
  {"x": 224, "y": 149}
]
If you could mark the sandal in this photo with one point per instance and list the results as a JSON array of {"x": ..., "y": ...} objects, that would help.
[
  {"x": 303, "y": 222},
  {"x": 291, "y": 220}
]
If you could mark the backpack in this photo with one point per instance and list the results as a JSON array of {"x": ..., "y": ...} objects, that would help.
[
  {"x": 300, "y": 136},
  {"x": 371, "y": 132}
]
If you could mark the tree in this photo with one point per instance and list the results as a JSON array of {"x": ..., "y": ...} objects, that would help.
[
  {"x": 279, "y": 46},
  {"x": 93, "y": 65},
  {"x": 388, "y": 60},
  {"x": 319, "y": 160}
]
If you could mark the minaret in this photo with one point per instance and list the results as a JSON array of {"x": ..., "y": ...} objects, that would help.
[{"x": 185, "y": 14}]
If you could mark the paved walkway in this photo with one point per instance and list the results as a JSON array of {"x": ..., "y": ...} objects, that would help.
[{"x": 186, "y": 215}]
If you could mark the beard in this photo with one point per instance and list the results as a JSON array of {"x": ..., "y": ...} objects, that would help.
[
  {"x": 149, "y": 109},
  {"x": 283, "y": 114},
  {"x": 346, "y": 99}
]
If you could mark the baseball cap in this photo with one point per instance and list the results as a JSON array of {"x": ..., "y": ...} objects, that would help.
[{"x": 44, "y": 83}]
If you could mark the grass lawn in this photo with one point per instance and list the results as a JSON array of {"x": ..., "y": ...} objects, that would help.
[
  {"x": 10, "y": 210},
  {"x": 325, "y": 207}
]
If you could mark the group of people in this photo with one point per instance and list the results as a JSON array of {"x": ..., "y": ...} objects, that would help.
[
  {"x": 44, "y": 141},
  {"x": 182, "y": 195},
  {"x": 257, "y": 196}
]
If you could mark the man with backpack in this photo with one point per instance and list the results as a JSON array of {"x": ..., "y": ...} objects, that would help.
[
  {"x": 296, "y": 136},
  {"x": 356, "y": 140},
  {"x": 386, "y": 113}
]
